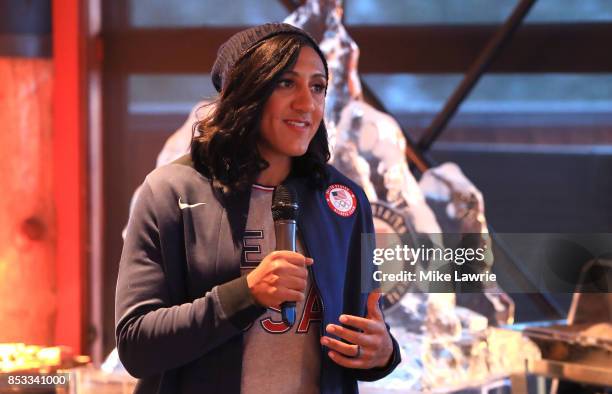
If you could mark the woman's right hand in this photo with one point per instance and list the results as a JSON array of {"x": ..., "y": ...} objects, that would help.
[{"x": 281, "y": 276}]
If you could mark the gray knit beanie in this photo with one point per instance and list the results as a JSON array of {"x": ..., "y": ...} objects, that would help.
[{"x": 234, "y": 48}]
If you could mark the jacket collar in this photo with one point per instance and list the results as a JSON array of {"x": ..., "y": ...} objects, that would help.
[{"x": 237, "y": 209}]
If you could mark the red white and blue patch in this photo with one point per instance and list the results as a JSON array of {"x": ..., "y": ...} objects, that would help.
[{"x": 341, "y": 199}]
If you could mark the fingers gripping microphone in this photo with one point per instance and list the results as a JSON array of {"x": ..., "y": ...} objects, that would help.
[{"x": 284, "y": 212}]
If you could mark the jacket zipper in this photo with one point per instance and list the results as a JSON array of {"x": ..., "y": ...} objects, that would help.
[
  {"x": 314, "y": 281},
  {"x": 322, "y": 325}
]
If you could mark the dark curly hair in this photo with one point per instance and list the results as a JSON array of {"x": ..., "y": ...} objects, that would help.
[{"x": 224, "y": 144}]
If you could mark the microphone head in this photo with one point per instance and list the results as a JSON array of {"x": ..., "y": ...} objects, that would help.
[{"x": 284, "y": 203}]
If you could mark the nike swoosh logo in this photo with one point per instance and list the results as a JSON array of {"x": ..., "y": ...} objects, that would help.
[{"x": 182, "y": 205}]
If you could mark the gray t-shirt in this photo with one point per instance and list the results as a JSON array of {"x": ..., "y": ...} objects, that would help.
[{"x": 276, "y": 358}]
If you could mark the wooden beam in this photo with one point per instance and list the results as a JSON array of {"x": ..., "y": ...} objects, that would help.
[
  {"x": 69, "y": 172},
  {"x": 452, "y": 49},
  {"x": 580, "y": 47}
]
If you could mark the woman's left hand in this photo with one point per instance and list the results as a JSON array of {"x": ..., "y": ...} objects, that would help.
[{"x": 369, "y": 344}]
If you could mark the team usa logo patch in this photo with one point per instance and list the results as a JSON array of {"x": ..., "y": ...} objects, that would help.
[{"x": 341, "y": 199}]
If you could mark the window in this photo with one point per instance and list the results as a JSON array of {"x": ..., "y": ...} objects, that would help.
[
  {"x": 193, "y": 13},
  {"x": 421, "y": 12}
]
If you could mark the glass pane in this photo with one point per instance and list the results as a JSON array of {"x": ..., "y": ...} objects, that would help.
[
  {"x": 523, "y": 108},
  {"x": 167, "y": 94},
  {"x": 571, "y": 11},
  {"x": 177, "y": 13},
  {"x": 403, "y": 93},
  {"x": 508, "y": 93},
  {"x": 414, "y": 12}
]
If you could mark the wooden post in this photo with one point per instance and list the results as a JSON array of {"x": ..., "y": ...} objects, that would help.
[
  {"x": 69, "y": 169},
  {"x": 28, "y": 284}
]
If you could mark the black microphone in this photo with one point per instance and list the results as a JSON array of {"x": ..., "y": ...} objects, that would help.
[{"x": 284, "y": 212}]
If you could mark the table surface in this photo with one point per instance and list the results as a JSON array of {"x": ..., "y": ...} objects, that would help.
[{"x": 582, "y": 373}]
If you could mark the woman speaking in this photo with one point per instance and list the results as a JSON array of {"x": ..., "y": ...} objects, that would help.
[{"x": 201, "y": 284}]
